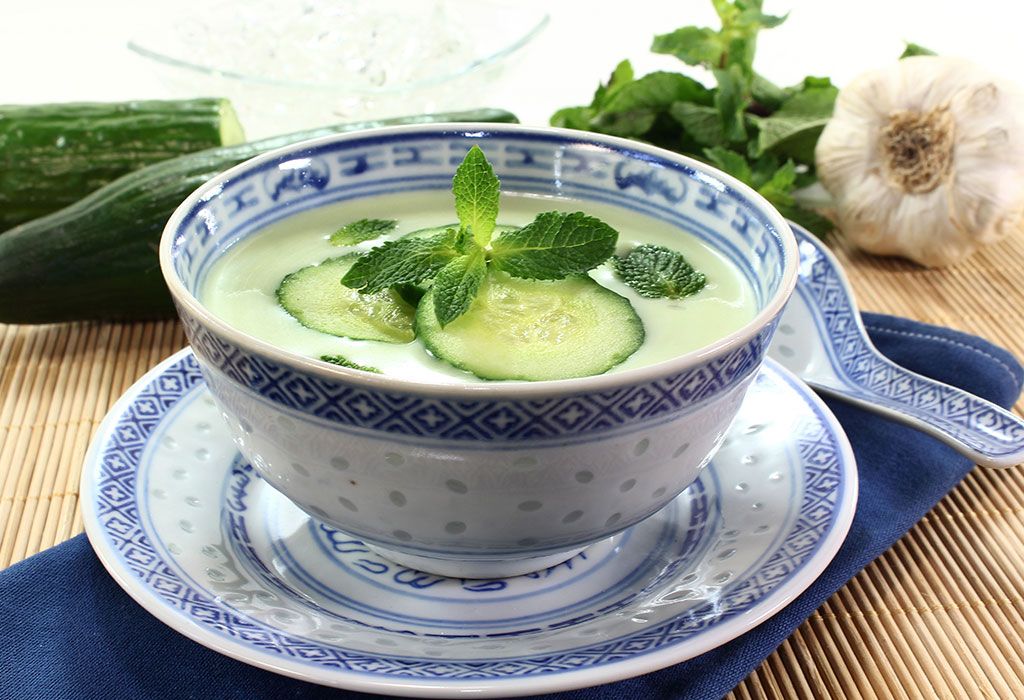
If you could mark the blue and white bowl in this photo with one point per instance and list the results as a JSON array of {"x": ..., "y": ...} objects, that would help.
[{"x": 483, "y": 479}]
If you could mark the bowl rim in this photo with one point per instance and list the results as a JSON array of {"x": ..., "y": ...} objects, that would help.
[
  {"x": 607, "y": 381},
  {"x": 472, "y": 66}
]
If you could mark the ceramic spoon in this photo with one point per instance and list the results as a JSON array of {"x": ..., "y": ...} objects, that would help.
[{"x": 821, "y": 338}]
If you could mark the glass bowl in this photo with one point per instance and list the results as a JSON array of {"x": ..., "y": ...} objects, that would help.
[{"x": 292, "y": 66}]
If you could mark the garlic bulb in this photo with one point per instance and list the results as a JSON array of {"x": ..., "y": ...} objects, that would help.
[{"x": 925, "y": 159}]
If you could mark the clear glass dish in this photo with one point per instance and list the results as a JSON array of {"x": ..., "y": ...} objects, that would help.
[{"x": 291, "y": 66}]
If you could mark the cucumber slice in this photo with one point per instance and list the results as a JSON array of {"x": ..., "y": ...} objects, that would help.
[
  {"x": 534, "y": 330},
  {"x": 432, "y": 230},
  {"x": 318, "y": 300}
]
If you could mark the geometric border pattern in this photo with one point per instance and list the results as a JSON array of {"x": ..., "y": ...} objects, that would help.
[
  {"x": 119, "y": 519},
  {"x": 478, "y": 419}
]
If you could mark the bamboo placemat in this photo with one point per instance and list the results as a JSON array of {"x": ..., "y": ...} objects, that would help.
[{"x": 939, "y": 615}]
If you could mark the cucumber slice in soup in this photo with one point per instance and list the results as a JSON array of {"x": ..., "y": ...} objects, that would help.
[
  {"x": 318, "y": 300},
  {"x": 535, "y": 330}
]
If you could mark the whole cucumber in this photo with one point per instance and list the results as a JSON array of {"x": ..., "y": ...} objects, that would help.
[
  {"x": 52, "y": 155},
  {"x": 97, "y": 259}
]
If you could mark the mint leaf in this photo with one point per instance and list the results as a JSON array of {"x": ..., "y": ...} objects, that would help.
[
  {"x": 362, "y": 230},
  {"x": 476, "y": 189},
  {"x": 407, "y": 260},
  {"x": 654, "y": 271},
  {"x": 622, "y": 75},
  {"x": 741, "y": 15},
  {"x": 751, "y": 16},
  {"x": 456, "y": 285},
  {"x": 793, "y": 130},
  {"x": 553, "y": 246},
  {"x": 731, "y": 101},
  {"x": 581, "y": 117},
  {"x": 694, "y": 46},
  {"x": 794, "y": 136},
  {"x": 656, "y": 90},
  {"x": 345, "y": 362},
  {"x": 763, "y": 169},
  {"x": 730, "y": 161},
  {"x": 767, "y": 94},
  {"x": 810, "y": 220},
  {"x": 773, "y": 180},
  {"x": 630, "y": 110},
  {"x": 913, "y": 49},
  {"x": 409, "y": 293},
  {"x": 573, "y": 118},
  {"x": 701, "y": 123},
  {"x": 778, "y": 189}
]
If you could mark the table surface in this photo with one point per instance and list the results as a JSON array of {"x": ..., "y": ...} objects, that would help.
[{"x": 939, "y": 615}]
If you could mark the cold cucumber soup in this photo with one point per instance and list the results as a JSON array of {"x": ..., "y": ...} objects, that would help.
[{"x": 507, "y": 332}]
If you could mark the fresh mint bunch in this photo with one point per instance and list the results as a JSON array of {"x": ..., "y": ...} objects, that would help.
[
  {"x": 744, "y": 117},
  {"x": 362, "y": 230},
  {"x": 553, "y": 246},
  {"x": 655, "y": 272}
]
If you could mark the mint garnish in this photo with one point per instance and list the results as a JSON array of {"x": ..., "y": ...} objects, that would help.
[
  {"x": 345, "y": 362},
  {"x": 409, "y": 293},
  {"x": 405, "y": 261},
  {"x": 476, "y": 190},
  {"x": 362, "y": 230},
  {"x": 654, "y": 271},
  {"x": 554, "y": 246}
]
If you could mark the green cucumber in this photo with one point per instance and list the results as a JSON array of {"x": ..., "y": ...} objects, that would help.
[
  {"x": 97, "y": 259},
  {"x": 52, "y": 155},
  {"x": 317, "y": 299},
  {"x": 535, "y": 330}
]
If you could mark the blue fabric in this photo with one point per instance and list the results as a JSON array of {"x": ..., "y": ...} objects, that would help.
[{"x": 70, "y": 632}]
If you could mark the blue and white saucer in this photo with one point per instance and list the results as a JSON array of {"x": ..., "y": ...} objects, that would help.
[{"x": 190, "y": 532}]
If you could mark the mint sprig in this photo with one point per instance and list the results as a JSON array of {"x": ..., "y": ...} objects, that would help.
[
  {"x": 655, "y": 271},
  {"x": 554, "y": 246},
  {"x": 362, "y": 230}
]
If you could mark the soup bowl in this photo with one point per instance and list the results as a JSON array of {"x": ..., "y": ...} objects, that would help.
[{"x": 477, "y": 479}]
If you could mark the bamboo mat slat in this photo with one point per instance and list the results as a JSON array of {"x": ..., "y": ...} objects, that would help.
[{"x": 940, "y": 615}]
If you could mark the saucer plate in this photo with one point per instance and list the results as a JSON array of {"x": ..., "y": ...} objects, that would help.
[{"x": 189, "y": 530}]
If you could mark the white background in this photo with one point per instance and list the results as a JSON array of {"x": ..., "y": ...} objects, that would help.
[{"x": 56, "y": 50}]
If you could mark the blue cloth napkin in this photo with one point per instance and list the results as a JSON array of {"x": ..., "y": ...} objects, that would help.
[{"x": 70, "y": 632}]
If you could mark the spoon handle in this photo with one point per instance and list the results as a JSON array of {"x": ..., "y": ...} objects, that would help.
[
  {"x": 842, "y": 361},
  {"x": 974, "y": 427}
]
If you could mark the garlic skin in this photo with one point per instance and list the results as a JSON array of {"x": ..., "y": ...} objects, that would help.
[{"x": 925, "y": 159}]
